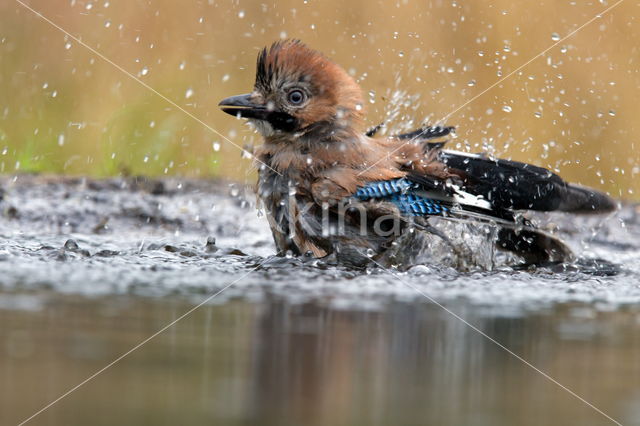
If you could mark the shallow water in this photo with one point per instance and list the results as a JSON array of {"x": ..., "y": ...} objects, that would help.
[{"x": 91, "y": 268}]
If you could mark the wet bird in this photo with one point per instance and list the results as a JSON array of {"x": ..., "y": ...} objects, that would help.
[{"x": 329, "y": 187}]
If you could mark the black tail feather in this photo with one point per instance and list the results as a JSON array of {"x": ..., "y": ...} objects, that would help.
[
  {"x": 519, "y": 186},
  {"x": 578, "y": 199}
]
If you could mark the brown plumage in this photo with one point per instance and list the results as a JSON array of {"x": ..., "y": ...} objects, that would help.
[{"x": 316, "y": 157}]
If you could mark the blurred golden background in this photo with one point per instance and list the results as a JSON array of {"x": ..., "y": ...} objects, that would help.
[{"x": 65, "y": 110}]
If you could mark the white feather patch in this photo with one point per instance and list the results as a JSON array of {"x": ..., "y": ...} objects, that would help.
[
  {"x": 460, "y": 197},
  {"x": 463, "y": 154}
]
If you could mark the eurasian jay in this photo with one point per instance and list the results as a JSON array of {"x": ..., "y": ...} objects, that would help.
[{"x": 329, "y": 187}]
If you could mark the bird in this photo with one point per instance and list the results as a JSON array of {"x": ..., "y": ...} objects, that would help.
[{"x": 331, "y": 189}]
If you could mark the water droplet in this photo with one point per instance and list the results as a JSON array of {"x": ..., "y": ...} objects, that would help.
[
  {"x": 555, "y": 36},
  {"x": 182, "y": 65},
  {"x": 145, "y": 159},
  {"x": 152, "y": 124},
  {"x": 241, "y": 14},
  {"x": 372, "y": 96},
  {"x": 67, "y": 45},
  {"x": 89, "y": 6},
  {"x": 107, "y": 24},
  {"x": 471, "y": 83},
  {"x": 481, "y": 53},
  {"x": 358, "y": 107},
  {"x": 45, "y": 85},
  {"x": 612, "y": 113},
  {"x": 401, "y": 54},
  {"x": 55, "y": 93},
  {"x": 225, "y": 78},
  {"x": 216, "y": 146},
  {"x": 60, "y": 140},
  {"x": 537, "y": 114},
  {"x": 144, "y": 71},
  {"x": 188, "y": 93},
  {"x": 506, "y": 108}
]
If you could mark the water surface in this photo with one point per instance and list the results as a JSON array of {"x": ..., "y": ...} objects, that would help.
[{"x": 91, "y": 268}]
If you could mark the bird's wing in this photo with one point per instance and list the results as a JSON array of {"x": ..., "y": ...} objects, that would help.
[
  {"x": 422, "y": 198},
  {"x": 415, "y": 195},
  {"x": 512, "y": 185},
  {"x": 426, "y": 133},
  {"x": 423, "y": 133},
  {"x": 459, "y": 186},
  {"x": 497, "y": 184}
]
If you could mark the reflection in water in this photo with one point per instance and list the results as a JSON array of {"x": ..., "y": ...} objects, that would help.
[{"x": 280, "y": 363}]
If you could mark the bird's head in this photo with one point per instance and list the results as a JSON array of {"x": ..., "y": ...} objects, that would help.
[{"x": 298, "y": 90}]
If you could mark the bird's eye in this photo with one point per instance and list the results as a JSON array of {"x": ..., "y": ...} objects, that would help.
[{"x": 296, "y": 97}]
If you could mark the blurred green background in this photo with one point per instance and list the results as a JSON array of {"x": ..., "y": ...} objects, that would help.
[{"x": 65, "y": 110}]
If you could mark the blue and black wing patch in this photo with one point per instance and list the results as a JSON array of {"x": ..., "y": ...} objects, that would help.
[
  {"x": 415, "y": 205},
  {"x": 384, "y": 188},
  {"x": 401, "y": 193},
  {"x": 413, "y": 197}
]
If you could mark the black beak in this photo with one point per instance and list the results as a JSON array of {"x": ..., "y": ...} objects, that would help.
[{"x": 241, "y": 106}]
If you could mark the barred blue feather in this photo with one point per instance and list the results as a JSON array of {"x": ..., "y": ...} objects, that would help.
[
  {"x": 383, "y": 189},
  {"x": 415, "y": 205},
  {"x": 399, "y": 192}
]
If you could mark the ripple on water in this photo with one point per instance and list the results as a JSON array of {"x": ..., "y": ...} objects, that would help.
[{"x": 155, "y": 238}]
